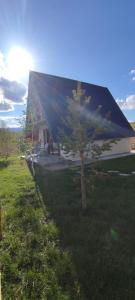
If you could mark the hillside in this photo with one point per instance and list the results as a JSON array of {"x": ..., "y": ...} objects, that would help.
[
  {"x": 15, "y": 129},
  {"x": 133, "y": 125}
]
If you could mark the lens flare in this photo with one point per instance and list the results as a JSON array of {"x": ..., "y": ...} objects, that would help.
[{"x": 19, "y": 63}]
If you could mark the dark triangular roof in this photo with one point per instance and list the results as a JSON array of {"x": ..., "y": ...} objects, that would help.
[{"x": 51, "y": 93}]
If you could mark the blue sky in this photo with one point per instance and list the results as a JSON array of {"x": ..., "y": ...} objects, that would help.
[{"x": 90, "y": 40}]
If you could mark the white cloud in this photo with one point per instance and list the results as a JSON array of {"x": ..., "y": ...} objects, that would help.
[
  {"x": 6, "y": 107},
  {"x": 128, "y": 103},
  {"x": 2, "y": 65},
  {"x": 5, "y": 104},
  {"x": 132, "y": 71},
  {"x": 11, "y": 92},
  {"x": 11, "y": 122},
  {"x": 4, "y": 73}
]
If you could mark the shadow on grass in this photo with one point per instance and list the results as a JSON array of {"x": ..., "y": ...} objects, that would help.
[
  {"x": 4, "y": 164},
  {"x": 101, "y": 240},
  {"x": 33, "y": 265}
]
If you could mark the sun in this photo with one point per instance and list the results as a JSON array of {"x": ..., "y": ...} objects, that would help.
[{"x": 19, "y": 63}]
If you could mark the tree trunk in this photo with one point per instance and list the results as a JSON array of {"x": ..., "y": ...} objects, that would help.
[{"x": 83, "y": 185}]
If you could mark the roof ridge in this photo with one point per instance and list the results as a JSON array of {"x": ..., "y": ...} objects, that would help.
[{"x": 67, "y": 78}]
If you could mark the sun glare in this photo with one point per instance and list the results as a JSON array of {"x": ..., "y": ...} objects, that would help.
[{"x": 19, "y": 62}]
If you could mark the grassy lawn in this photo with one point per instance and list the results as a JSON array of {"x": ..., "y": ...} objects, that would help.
[
  {"x": 33, "y": 264},
  {"x": 124, "y": 164},
  {"x": 101, "y": 241},
  {"x": 51, "y": 250}
]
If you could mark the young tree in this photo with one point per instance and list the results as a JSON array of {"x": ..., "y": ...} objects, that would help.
[
  {"x": 82, "y": 130},
  {"x": 25, "y": 142}
]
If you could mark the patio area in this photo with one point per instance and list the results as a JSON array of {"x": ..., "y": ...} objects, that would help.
[{"x": 54, "y": 162}]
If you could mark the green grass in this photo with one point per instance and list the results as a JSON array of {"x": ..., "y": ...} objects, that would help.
[
  {"x": 101, "y": 240},
  {"x": 51, "y": 250},
  {"x": 123, "y": 164},
  {"x": 32, "y": 262}
]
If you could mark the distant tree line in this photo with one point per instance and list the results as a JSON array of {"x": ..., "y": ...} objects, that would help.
[
  {"x": 13, "y": 142},
  {"x": 8, "y": 141}
]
